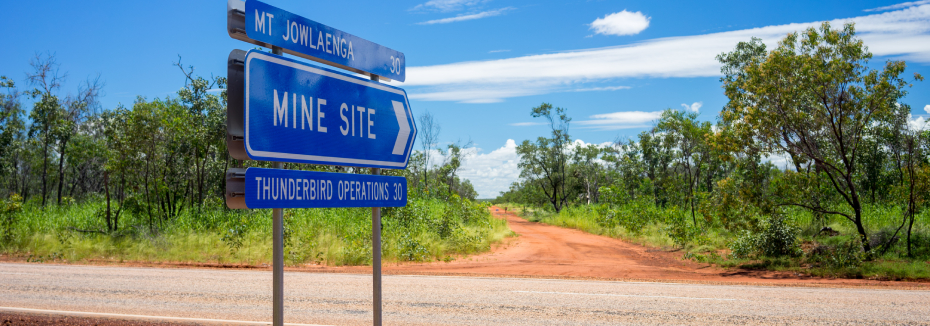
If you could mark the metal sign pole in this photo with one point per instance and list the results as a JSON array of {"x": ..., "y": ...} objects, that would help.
[
  {"x": 277, "y": 216},
  {"x": 376, "y": 254},
  {"x": 376, "y": 259}
]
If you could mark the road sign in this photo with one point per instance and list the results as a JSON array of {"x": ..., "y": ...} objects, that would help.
[
  {"x": 275, "y": 188},
  {"x": 259, "y": 23},
  {"x": 294, "y": 112}
]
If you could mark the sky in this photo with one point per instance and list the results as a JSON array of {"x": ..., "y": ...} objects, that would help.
[{"x": 478, "y": 66}]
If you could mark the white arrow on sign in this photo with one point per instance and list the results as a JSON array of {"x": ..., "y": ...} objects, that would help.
[{"x": 401, "y": 143}]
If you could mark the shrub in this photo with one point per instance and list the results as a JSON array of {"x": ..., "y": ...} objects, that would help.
[
  {"x": 778, "y": 238},
  {"x": 846, "y": 254}
]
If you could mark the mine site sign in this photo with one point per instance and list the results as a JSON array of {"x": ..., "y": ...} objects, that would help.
[
  {"x": 294, "y": 112},
  {"x": 262, "y": 24},
  {"x": 277, "y": 188}
]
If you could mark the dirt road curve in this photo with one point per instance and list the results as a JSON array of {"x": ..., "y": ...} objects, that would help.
[
  {"x": 549, "y": 251},
  {"x": 544, "y": 250}
]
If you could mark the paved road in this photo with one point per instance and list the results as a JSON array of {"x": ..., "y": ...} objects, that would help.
[{"x": 328, "y": 298}]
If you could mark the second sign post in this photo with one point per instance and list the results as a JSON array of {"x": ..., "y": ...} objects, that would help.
[{"x": 284, "y": 110}]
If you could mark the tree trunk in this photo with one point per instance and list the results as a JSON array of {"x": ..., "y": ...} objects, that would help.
[
  {"x": 861, "y": 229},
  {"x": 61, "y": 168},
  {"x": 106, "y": 187},
  {"x": 45, "y": 170}
]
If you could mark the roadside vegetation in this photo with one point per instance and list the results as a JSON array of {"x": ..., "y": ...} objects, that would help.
[
  {"x": 814, "y": 165},
  {"x": 146, "y": 182}
]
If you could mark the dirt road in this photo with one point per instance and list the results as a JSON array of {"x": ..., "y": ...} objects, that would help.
[{"x": 547, "y": 251}]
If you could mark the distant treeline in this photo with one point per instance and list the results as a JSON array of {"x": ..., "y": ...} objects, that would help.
[
  {"x": 813, "y": 102},
  {"x": 154, "y": 159}
]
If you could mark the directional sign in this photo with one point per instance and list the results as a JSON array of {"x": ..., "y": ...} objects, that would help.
[
  {"x": 259, "y": 23},
  {"x": 294, "y": 112},
  {"x": 274, "y": 188}
]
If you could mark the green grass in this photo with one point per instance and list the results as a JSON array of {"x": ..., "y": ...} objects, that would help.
[{"x": 425, "y": 230}]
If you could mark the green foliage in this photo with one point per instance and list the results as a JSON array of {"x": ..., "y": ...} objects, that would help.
[
  {"x": 843, "y": 252},
  {"x": 778, "y": 238},
  {"x": 425, "y": 230}
]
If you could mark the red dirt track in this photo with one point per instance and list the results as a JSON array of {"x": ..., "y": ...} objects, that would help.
[{"x": 542, "y": 250}]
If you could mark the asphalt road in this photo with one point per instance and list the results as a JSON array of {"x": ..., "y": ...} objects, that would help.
[{"x": 329, "y": 298}]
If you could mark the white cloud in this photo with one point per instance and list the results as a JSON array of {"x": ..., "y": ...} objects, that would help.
[
  {"x": 903, "y": 34},
  {"x": 527, "y": 124},
  {"x": 493, "y": 172},
  {"x": 781, "y": 161},
  {"x": 927, "y": 108},
  {"x": 597, "y": 89},
  {"x": 918, "y": 124},
  {"x": 621, "y": 23},
  {"x": 899, "y": 6},
  {"x": 446, "y": 5},
  {"x": 695, "y": 107},
  {"x": 483, "y": 14},
  {"x": 621, "y": 120}
]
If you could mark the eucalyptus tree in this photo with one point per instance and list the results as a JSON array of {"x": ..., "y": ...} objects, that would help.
[
  {"x": 11, "y": 131},
  {"x": 545, "y": 161},
  {"x": 814, "y": 97},
  {"x": 689, "y": 137},
  {"x": 429, "y": 134},
  {"x": 46, "y": 111}
]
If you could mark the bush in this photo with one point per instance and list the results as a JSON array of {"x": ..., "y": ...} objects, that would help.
[
  {"x": 777, "y": 239},
  {"x": 845, "y": 254}
]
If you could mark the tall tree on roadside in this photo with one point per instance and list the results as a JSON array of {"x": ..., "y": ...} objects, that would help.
[
  {"x": 46, "y": 112},
  {"x": 545, "y": 161},
  {"x": 73, "y": 112},
  {"x": 814, "y": 97},
  {"x": 429, "y": 135},
  {"x": 11, "y": 130},
  {"x": 590, "y": 170},
  {"x": 690, "y": 138}
]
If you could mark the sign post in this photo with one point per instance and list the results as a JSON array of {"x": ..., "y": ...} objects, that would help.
[{"x": 343, "y": 120}]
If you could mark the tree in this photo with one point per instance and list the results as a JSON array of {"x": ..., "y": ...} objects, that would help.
[
  {"x": 544, "y": 162},
  {"x": 814, "y": 98},
  {"x": 429, "y": 135},
  {"x": 46, "y": 112},
  {"x": 589, "y": 169},
  {"x": 11, "y": 130},
  {"x": 690, "y": 138}
]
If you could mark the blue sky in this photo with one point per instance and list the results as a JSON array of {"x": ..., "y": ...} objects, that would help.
[{"x": 478, "y": 66}]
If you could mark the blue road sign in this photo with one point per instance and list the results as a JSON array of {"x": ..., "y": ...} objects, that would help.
[
  {"x": 300, "y": 113},
  {"x": 274, "y": 26},
  {"x": 274, "y": 188}
]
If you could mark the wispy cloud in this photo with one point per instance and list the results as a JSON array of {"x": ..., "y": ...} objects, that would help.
[
  {"x": 927, "y": 108},
  {"x": 447, "y": 5},
  {"x": 598, "y": 89},
  {"x": 900, "y": 5},
  {"x": 527, "y": 124},
  {"x": 498, "y": 51},
  {"x": 694, "y": 107},
  {"x": 621, "y": 23},
  {"x": 483, "y": 14},
  {"x": 902, "y": 34},
  {"x": 620, "y": 120}
]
